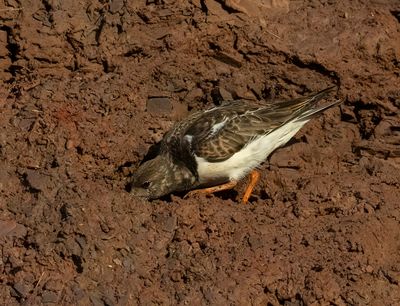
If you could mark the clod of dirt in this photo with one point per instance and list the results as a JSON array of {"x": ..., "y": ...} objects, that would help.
[
  {"x": 6, "y": 227},
  {"x": 21, "y": 289},
  {"x": 257, "y": 9},
  {"x": 49, "y": 297},
  {"x": 116, "y": 6},
  {"x": 36, "y": 180},
  {"x": 159, "y": 106},
  {"x": 220, "y": 94},
  {"x": 229, "y": 59}
]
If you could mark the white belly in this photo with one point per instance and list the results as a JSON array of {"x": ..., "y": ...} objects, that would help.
[{"x": 252, "y": 155}]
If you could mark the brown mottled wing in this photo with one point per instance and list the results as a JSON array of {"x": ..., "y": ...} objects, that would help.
[
  {"x": 178, "y": 147},
  {"x": 240, "y": 122}
]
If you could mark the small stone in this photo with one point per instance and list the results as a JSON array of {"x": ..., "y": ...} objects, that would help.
[
  {"x": 215, "y": 8},
  {"x": 165, "y": 13},
  {"x": 176, "y": 276},
  {"x": 36, "y": 180},
  {"x": 196, "y": 3},
  {"x": 49, "y": 297},
  {"x": 81, "y": 240},
  {"x": 169, "y": 223},
  {"x": 194, "y": 94},
  {"x": 369, "y": 208},
  {"x": 226, "y": 95},
  {"x": 21, "y": 289},
  {"x": 243, "y": 93},
  {"x": 19, "y": 231},
  {"x": 248, "y": 7},
  {"x": 7, "y": 226},
  {"x": 70, "y": 144},
  {"x": 384, "y": 128},
  {"x": 117, "y": 262},
  {"x": 159, "y": 105},
  {"x": 220, "y": 94},
  {"x": 26, "y": 124},
  {"x": 54, "y": 285},
  {"x": 348, "y": 114},
  {"x": 228, "y": 59},
  {"x": 127, "y": 264},
  {"x": 116, "y": 6}
]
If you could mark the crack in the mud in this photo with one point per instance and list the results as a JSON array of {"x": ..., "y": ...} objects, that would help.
[
  {"x": 396, "y": 14},
  {"x": 12, "y": 45},
  {"x": 314, "y": 66},
  {"x": 78, "y": 262},
  {"x": 13, "y": 48},
  {"x": 367, "y": 125}
]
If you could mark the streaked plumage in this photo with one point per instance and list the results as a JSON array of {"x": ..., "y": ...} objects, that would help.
[{"x": 223, "y": 144}]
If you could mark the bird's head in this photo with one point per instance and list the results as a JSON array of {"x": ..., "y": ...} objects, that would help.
[{"x": 158, "y": 177}]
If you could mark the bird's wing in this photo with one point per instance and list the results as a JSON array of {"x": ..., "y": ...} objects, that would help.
[{"x": 217, "y": 134}]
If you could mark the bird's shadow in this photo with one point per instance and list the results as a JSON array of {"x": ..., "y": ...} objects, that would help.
[{"x": 224, "y": 195}]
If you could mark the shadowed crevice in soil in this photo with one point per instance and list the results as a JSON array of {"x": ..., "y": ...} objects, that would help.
[
  {"x": 396, "y": 14},
  {"x": 317, "y": 67}
]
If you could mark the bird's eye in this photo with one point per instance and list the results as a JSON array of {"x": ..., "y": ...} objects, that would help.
[{"x": 145, "y": 185}]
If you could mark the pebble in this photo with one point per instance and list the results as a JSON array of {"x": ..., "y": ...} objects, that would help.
[
  {"x": 194, "y": 94},
  {"x": 228, "y": 59},
  {"x": 159, "y": 105},
  {"x": 116, "y": 6},
  {"x": 70, "y": 144},
  {"x": 21, "y": 289},
  {"x": 6, "y": 227},
  {"x": 49, "y": 297},
  {"x": 36, "y": 180}
]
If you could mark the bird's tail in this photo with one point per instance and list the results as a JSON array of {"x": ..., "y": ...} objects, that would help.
[
  {"x": 311, "y": 109},
  {"x": 315, "y": 111}
]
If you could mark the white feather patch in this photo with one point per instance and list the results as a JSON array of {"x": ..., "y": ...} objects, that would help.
[
  {"x": 188, "y": 138},
  {"x": 218, "y": 126},
  {"x": 251, "y": 155}
]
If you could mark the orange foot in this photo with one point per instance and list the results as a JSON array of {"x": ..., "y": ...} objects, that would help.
[
  {"x": 254, "y": 178},
  {"x": 210, "y": 190}
]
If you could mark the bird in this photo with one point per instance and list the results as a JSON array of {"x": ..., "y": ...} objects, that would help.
[{"x": 213, "y": 149}]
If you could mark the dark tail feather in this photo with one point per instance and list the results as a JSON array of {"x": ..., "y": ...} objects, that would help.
[
  {"x": 311, "y": 109},
  {"x": 303, "y": 105},
  {"x": 315, "y": 111},
  {"x": 320, "y": 95}
]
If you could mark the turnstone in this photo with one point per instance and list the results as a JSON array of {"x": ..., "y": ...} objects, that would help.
[{"x": 214, "y": 149}]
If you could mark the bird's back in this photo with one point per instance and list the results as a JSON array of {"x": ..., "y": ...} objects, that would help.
[{"x": 218, "y": 134}]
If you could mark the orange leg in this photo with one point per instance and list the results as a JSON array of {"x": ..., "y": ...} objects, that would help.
[
  {"x": 213, "y": 189},
  {"x": 254, "y": 177}
]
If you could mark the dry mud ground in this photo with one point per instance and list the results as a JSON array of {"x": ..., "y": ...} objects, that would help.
[{"x": 88, "y": 86}]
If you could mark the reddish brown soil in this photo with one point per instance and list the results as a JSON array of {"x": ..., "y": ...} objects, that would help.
[{"x": 78, "y": 81}]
